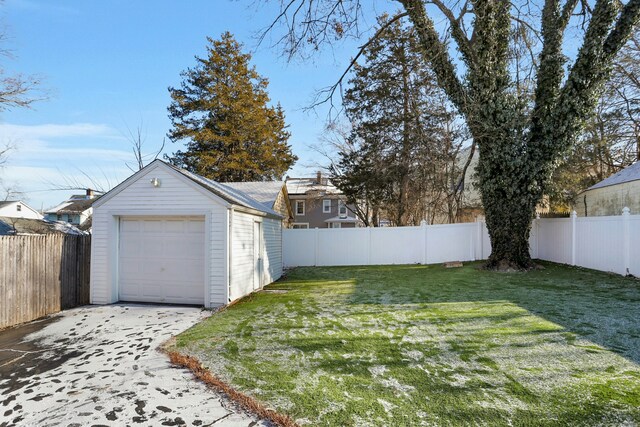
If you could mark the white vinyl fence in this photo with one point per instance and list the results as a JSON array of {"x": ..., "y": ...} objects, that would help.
[{"x": 610, "y": 243}]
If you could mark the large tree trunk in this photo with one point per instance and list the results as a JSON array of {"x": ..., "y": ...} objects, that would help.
[
  {"x": 509, "y": 226},
  {"x": 509, "y": 200}
]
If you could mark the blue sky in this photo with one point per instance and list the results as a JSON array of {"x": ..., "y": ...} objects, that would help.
[{"x": 107, "y": 66}]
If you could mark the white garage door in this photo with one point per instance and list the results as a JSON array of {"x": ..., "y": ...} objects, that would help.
[{"x": 161, "y": 259}]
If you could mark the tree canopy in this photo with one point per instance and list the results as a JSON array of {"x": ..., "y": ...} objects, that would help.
[
  {"x": 522, "y": 125},
  {"x": 222, "y": 111},
  {"x": 401, "y": 156}
]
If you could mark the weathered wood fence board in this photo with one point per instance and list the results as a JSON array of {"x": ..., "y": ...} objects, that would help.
[{"x": 41, "y": 275}]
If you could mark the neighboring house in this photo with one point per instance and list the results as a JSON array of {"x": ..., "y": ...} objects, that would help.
[
  {"x": 272, "y": 194},
  {"x": 611, "y": 195},
  {"x": 317, "y": 203},
  {"x": 31, "y": 226},
  {"x": 18, "y": 209},
  {"x": 77, "y": 210},
  {"x": 471, "y": 208},
  {"x": 166, "y": 235}
]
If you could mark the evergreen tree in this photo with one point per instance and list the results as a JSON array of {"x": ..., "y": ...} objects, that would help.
[
  {"x": 222, "y": 110},
  {"x": 470, "y": 51},
  {"x": 400, "y": 154}
]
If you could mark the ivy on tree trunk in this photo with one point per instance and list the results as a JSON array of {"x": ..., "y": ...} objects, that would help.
[
  {"x": 518, "y": 149},
  {"x": 519, "y": 140}
]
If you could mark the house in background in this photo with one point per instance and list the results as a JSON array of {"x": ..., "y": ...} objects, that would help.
[
  {"x": 611, "y": 195},
  {"x": 317, "y": 203},
  {"x": 471, "y": 208},
  {"x": 272, "y": 194},
  {"x": 18, "y": 209},
  {"x": 77, "y": 210}
]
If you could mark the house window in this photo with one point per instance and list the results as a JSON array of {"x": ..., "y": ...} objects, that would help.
[
  {"x": 59, "y": 217},
  {"x": 335, "y": 225},
  {"x": 326, "y": 206},
  {"x": 300, "y": 207},
  {"x": 19, "y": 208},
  {"x": 342, "y": 209},
  {"x": 300, "y": 225}
]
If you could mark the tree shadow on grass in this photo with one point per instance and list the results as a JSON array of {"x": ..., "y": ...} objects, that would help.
[{"x": 599, "y": 307}]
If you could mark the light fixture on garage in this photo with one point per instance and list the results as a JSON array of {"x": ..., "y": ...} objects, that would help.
[{"x": 155, "y": 182}]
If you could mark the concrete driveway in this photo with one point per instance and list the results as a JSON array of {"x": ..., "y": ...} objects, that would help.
[{"x": 98, "y": 365}]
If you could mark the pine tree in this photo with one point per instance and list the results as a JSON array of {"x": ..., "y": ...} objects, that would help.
[
  {"x": 468, "y": 45},
  {"x": 399, "y": 154},
  {"x": 222, "y": 111}
]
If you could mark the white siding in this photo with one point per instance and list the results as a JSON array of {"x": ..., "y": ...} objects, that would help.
[
  {"x": 175, "y": 196},
  {"x": 242, "y": 252},
  {"x": 11, "y": 211},
  {"x": 242, "y": 263},
  {"x": 272, "y": 229}
]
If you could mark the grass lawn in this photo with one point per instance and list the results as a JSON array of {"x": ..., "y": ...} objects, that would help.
[{"x": 424, "y": 345}]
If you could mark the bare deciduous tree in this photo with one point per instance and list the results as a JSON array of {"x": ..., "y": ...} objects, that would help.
[
  {"x": 137, "y": 141},
  {"x": 519, "y": 139}
]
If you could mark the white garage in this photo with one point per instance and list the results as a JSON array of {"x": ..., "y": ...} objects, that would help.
[{"x": 166, "y": 235}]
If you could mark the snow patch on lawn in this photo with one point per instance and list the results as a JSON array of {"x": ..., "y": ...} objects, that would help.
[{"x": 388, "y": 406}]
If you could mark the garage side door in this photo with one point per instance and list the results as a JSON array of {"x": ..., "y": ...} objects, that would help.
[{"x": 161, "y": 259}]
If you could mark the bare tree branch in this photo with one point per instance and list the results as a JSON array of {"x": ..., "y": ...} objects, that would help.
[{"x": 326, "y": 95}]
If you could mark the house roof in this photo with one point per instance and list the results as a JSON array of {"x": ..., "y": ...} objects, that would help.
[
  {"x": 35, "y": 226},
  {"x": 630, "y": 173},
  {"x": 310, "y": 185},
  {"x": 230, "y": 194},
  {"x": 265, "y": 192},
  {"x": 72, "y": 206}
]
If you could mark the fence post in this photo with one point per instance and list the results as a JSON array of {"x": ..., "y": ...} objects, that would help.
[
  {"x": 368, "y": 245},
  {"x": 536, "y": 223},
  {"x": 423, "y": 224},
  {"x": 626, "y": 247},
  {"x": 316, "y": 246},
  {"x": 574, "y": 216},
  {"x": 478, "y": 254}
]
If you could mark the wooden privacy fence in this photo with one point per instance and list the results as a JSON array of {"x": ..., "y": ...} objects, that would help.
[{"x": 40, "y": 275}]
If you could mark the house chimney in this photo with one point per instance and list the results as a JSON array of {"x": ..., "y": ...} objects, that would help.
[
  {"x": 319, "y": 177},
  {"x": 90, "y": 193}
]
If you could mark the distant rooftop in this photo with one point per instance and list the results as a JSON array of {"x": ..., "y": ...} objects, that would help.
[
  {"x": 72, "y": 206},
  {"x": 265, "y": 192},
  {"x": 10, "y": 226},
  {"x": 317, "y": 184},
  {"x": 630, "y": 173}
]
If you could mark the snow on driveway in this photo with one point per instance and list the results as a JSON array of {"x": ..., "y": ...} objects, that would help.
[{"x": 99, "y": 365}]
